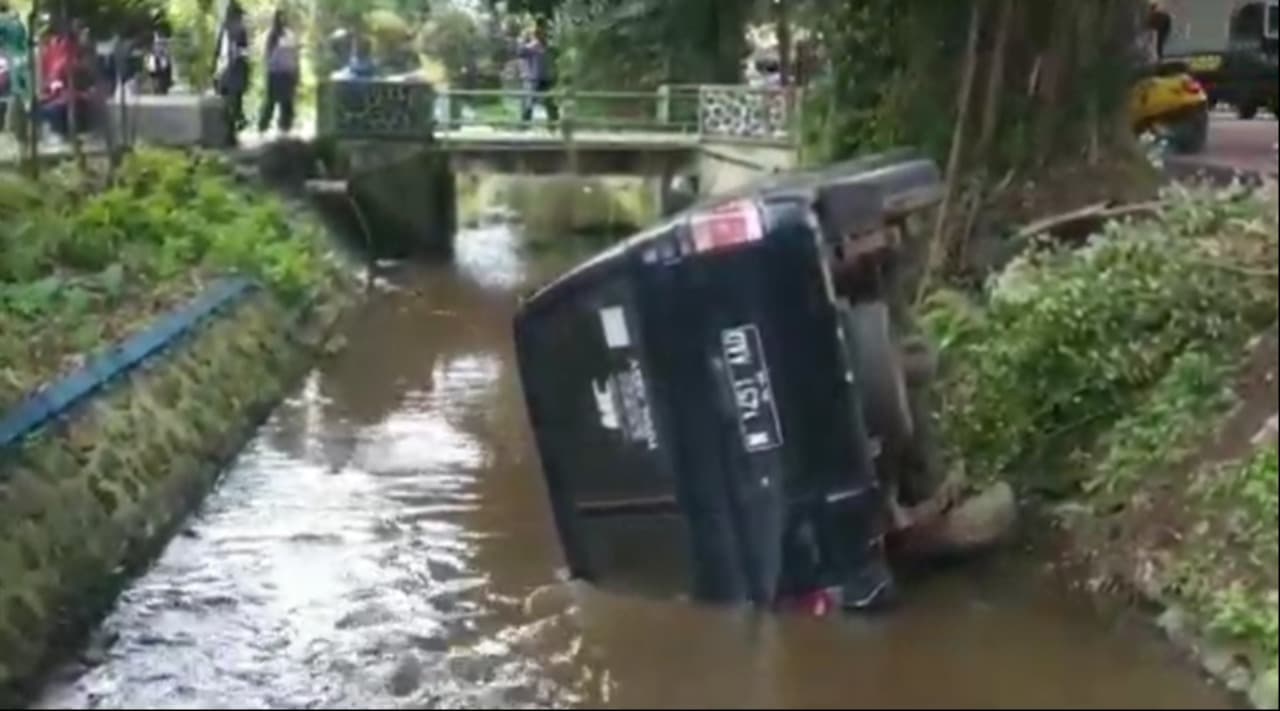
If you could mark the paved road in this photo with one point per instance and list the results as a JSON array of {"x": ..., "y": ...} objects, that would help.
[{"x": 1234, "y": 145}]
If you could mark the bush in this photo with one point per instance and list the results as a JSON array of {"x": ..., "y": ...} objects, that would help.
[
  {"x": 167, "y": 214},
  {"x": 80, "y": 268},
  {"x": 1068, "y": 341}
]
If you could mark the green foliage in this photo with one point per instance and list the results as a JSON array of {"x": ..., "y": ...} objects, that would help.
[
  {"x": 129, "y": 18},
  {"x": 1069, "y": 341},
  {"x": 894, "y": 70},
  {"x": 1161, "y": 431},
  {"x": 848, "y": 107},
  {"x": 393, "y": 40},
  {"x": 195, "y": 29},
  {"x": 1229, "y": 577},
  {"x": 1104, "y": 371},
  {"x": 470, "y": 53},
  {"x": 643, "y": 43},
  {"x": 1241, "y": 615},
  {"x": 1248, "y": 490},
  {"x": 80, "y": 267}
]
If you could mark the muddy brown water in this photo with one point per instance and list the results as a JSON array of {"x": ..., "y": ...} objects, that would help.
[{"x": 377, "y": 543}]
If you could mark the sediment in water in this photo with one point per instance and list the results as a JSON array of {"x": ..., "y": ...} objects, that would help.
[{"x": 87, "y": 501}]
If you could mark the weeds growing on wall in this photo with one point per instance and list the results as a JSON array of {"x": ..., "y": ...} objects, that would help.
[{"x": 81, "y": 264}]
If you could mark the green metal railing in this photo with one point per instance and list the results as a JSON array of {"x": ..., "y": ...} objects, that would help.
[{"x": 417, "y": 111}]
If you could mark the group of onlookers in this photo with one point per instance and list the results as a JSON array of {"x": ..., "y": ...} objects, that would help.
[
  {"x": 74, "y": 75},
  {"x": 282, "y": 61}
]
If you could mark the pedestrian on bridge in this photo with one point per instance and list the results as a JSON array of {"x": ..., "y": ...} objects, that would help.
[
  {"x": 282, "y": 74},
  {"x": 537, "y": 74},
  {"x": 17, "y": 81},
  {"x": 233, "y": 66}
]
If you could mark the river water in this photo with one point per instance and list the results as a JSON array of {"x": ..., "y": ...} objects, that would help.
[{"x": 380, "y": 542}]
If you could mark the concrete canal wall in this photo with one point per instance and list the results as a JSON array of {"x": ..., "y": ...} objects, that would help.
[{"x": 97, "y": 472}]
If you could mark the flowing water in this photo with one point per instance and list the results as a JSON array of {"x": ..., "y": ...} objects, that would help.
[{"x": 379, "y": 542}]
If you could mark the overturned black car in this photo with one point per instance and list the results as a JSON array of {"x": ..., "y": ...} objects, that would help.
[{"x": 721, "y": 404}]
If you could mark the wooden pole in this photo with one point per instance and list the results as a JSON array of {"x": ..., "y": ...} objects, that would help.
[
  {"x": 73, "y": 68},
  {"x": 995, "y": 80},
  {"x": 33, "y": 107}
]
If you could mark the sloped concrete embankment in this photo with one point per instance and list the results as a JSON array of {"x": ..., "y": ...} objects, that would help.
[{"x": 88, "y": 497}]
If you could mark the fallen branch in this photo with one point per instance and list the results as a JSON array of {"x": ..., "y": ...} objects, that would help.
[{"x": 1098, "y": 212}]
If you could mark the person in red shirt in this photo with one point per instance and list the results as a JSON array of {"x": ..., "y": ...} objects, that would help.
[{"x": 60, "y": 56}]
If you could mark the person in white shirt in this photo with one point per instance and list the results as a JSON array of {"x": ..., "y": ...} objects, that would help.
[{"x": 282, "y": 74}]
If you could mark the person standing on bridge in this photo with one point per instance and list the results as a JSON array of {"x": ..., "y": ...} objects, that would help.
[
  {"x": 18, "y": 76},
  {"x": 233, "y": 67},
  {"x": 537, "y": 74},
  {"x": 282, "y": 74}
]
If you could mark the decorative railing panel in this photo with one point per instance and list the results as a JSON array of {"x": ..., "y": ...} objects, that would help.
[
  {"x": 357, "y": 109},
  {"x": 745, "y": 112}
]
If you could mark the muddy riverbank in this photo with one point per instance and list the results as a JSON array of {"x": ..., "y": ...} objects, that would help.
[{"x": 377, "y": 542}]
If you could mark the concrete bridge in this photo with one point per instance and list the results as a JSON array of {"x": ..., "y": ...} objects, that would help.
[{"x": 395, "y": 147}]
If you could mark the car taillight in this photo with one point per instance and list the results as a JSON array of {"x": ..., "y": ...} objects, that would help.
[
  {"x": 1191, "y": 86},
  {"x": 730, "y": 225}
]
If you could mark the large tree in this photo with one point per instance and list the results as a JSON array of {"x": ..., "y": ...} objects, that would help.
[
  {"x": 611, "y": 44},
  {"x": 996, "y": 90}
]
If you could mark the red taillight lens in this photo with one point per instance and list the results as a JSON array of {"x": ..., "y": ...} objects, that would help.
[
  {"x": 730, "y": 225},
  {"x": 1191, "y": 86}
]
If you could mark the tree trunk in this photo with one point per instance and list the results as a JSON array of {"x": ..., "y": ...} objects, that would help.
[
  {"x": 32, "y": 128},
  {"x": 782, "y": 18},
  {"x": 995, "y": 80},
  {"x": 1055, "y": 72},
  {"x": 938, "y": 248}
]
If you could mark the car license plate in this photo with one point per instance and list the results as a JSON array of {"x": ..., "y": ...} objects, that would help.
[
  {"x": 1205, "y": 63},
  {"x": 752, "y": 392}
]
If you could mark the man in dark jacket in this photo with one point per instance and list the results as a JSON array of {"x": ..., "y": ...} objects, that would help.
[
  {"x": 1160, "y": 23},
  {"x": 537, "y": 74},
  {"x": 233, "y": 63}
]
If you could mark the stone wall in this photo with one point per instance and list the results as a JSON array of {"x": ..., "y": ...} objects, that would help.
[{"x": 87, "y": 501}]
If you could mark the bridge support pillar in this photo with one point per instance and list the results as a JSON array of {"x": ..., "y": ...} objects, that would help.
[
  {"x": 407, "y": 203},
  {"x": 674, "y": 191}
]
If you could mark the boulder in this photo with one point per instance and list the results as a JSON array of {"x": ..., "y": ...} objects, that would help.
[
  {"x": 1263, "y": 694},
  {"x": 977, "y": 523}
]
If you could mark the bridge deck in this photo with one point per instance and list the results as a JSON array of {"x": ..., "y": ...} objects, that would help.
[{"x": 539, "y": 138}]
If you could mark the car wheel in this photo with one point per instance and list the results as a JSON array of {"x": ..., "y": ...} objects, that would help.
[
  {"x": 1247, "y": 111},
  {"x": 1191, "y": 133},
  {"x": 876, "y": 360}
]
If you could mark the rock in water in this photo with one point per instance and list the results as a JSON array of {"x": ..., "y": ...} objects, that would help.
[
  {"x": 1264, "y": 694},
  {"x": 983, "y": 520},
  {"x": 407, "y": 677},
  {"x": 978, "y": 523}
]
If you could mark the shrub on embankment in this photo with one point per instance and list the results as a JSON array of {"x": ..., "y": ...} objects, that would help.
[
  {"x": 82, "y": 263},
  {"x": 1128, "y": 377},
  {"x": 88, "y": 498}
]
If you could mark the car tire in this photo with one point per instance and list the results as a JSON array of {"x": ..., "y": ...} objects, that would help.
[
  {"x": 1247, "y": 111},
  {"x": 1191, "y": 133},
  {"x": 876, "y": 360}
]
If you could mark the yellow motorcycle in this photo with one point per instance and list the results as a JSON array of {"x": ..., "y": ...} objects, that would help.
[{"x": 1168, "y": 103}]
